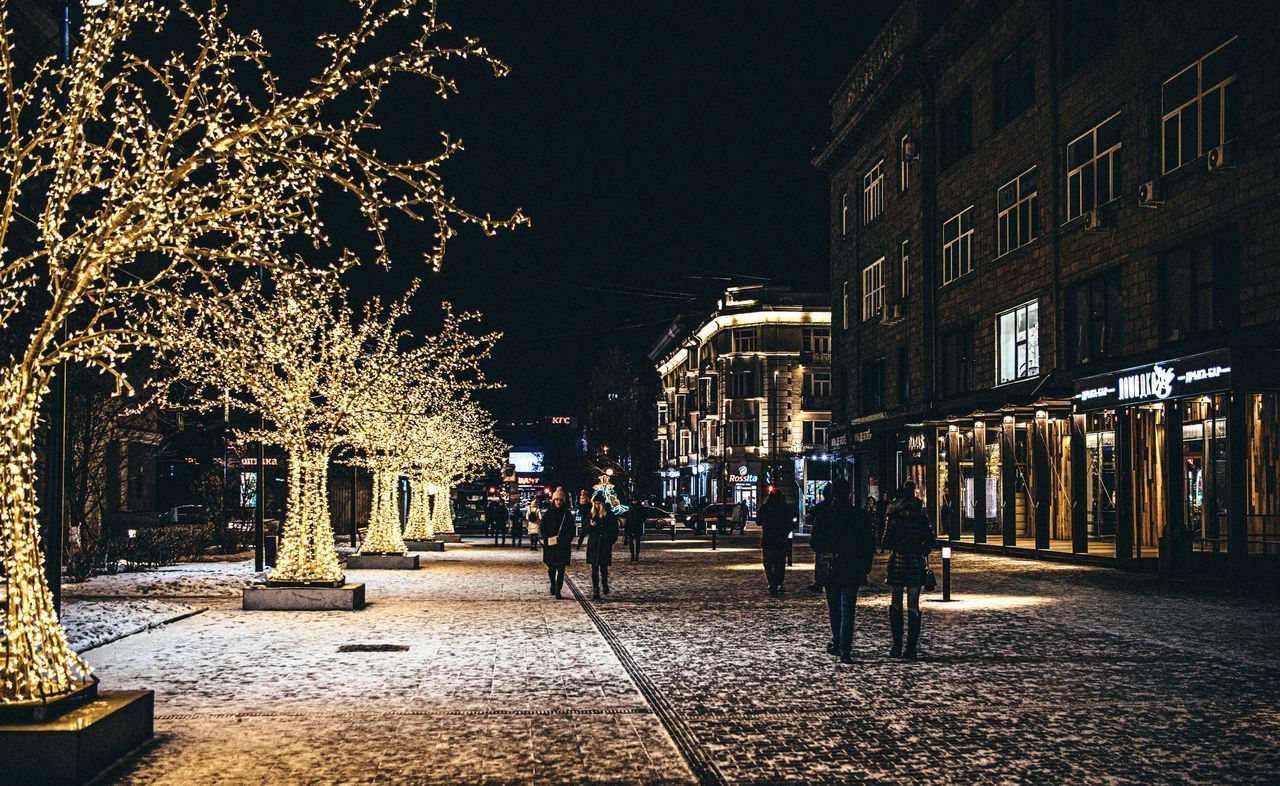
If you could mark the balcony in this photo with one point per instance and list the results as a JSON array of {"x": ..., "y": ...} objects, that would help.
[
  {"x": 812, "y": 403},
  {"x": 811, "y": 358}
]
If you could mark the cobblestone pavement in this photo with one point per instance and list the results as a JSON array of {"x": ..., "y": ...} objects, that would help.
[{"x": 688, "y": 672}]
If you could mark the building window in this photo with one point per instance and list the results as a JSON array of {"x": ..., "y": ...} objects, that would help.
[
  {"x": 844, "y": 214},
  {"x": 1093, "y": 171},
  {"x": 1094, "y": 319},
  {"x": 709, "y": 393},
  {"x": 1017, "y": 212},
  {"x": 872, "y": 385},
  {"x": 873, "y": 289},
  {"x": 955, "y": 361},
  {"x": 817, "y": 383},
  {"x": 956, "y": 129},
  {"x": 904, "y": 376},
  {"x": 816, "y": 341},
  {"x": 742, "y": 384},
  {"x": 745, "y": 340},
  {"x": 662, "y": 413},
  {"x": 1014, "y": 83},
  {"x": 742, "y": 432},
  {"x": 957, "y": 246},
  {"x": 904, "y": 163},
  {"x": 1018, "y": 343},
  {"x": 686, "y": 442},
  {"x": 815, "y": 432},
  {"x": 904, "y": 250},
  {"x": 873, "y": 193},
  {"x": 1193, "y": 289},
  {"x": 1199, "y": 107},
  {"x": 844, "y": 307},
  {"x": 1088, "y": 27}
]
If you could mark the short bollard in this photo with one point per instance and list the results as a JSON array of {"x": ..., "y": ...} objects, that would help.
[
  {"x": 946, "y": 573},
  {"x": 713, "y": 536}
]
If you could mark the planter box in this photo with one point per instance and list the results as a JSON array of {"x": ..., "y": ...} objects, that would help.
[
  {"x": 261, "y": 597},
  {"x": 78, "y": 745},
  {"x": 448, "y": 537},
  {"x": 424, "y": 545},
  {"x": 382, "y": 562}
]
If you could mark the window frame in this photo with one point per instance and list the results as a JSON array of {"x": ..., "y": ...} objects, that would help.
[
  {"x": 844, "y": 214},
  {"x": 1224, "y": 88},
  {"x": 1014, "y": 213},
  {"x": 1011, "y": 75},
  {"x": 844, "y": 307},
  {"x": 745, "y": 335},
  {"x": 873, "y": 193},
  {"x": 873, "y": 290},
  {"x": 904, "y": 163},
  {"x": 951, "y": 249},
  {"x": 1027, "y": 364},
  {"x": 1103, "y": 330},
  {"x": 904, "y": 267},
  {"x": 1112, "y": 154}
]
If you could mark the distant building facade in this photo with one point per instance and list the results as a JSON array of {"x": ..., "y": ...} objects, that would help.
[
  {"x": 744, "y": 398},
  {"x": 1056, "y": 276}
]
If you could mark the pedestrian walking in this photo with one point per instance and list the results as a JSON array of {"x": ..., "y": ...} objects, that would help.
[
  {"x": 775, "y": 527},
  {"x": 517, "y": 527},
  {"x": 882, "y": 518},
  {"x": 814, "y": 513},
  {"x": 634, "y": 518},
  {"x": 602, "y": 533},
  {"x": 909, "y": 539},
  {"x": 558, "y": 528},
  {"x": 740, "y": 517},
  {"x": 496, "y": 519},
  {"x": 844, "y": 543},
  {"x": 533, "y": 515},
  {"x": 583, "y": 515}
]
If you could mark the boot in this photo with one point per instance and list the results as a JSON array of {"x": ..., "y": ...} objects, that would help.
[
  {"x": 895, "y": 625},
  {"x": 913, "y": 635},
  {"x": 604, "y": 579},
  {"x": 595, "y": 593}
]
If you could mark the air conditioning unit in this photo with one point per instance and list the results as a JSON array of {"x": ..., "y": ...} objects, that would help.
[
  {"x": 1220, "y": 158},
  {"x": 892, "y": 314},
  {"x": 1149, "y": 194},
  {"x": 1094, "y": 221}
]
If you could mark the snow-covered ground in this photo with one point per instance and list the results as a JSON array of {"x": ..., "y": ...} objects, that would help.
[
  {"x": 92, "y": 623},
  {"x": 187, "y": 580}
]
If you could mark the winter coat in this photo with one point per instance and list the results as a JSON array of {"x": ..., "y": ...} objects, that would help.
[
  {"x": 602, "y": 533},
  {"x": 557, "y": 522},
  {"x": 910, "y": 538},
  {"x": 634, "y": 518},
  {"x": 842, "y": 530},
  {"x": 776, "y": 523}
]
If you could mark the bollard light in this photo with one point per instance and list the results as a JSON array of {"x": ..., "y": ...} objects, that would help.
[{"x": 946, "y": 573}]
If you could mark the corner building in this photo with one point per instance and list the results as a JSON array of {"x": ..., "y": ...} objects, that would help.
[
  {"x": 745, "y": 399},
  {"x": 1055, "y": 266}
]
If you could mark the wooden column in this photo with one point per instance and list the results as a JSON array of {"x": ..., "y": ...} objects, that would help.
[
  {"x": 1079, "y": 486},
  {"x": 1041, "y": 472},
  {"x": 1237, "y": 460},
  {"x": 953, "y": 483},
  {"x": 1124, "y": 485},
  {"x": 979, "y": 483},
  {"x": 1174, "y": 480},
  {"x": 1008, "y": 482}
]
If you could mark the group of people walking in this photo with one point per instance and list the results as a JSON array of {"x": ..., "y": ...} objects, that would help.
[
  {"x": 594, "y": 521},
  {"x": 845, "y": 539}
]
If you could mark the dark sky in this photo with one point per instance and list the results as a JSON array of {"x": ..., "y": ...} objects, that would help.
[{"x": 659, "y": 148}]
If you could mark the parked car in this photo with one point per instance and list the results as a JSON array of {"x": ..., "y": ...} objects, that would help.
[
  {"x": 657, "y": 519},
  {"x": 719, "y": 514}
]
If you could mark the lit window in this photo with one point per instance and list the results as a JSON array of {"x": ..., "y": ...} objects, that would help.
[
  {"x": 873, "y": 193},
  {"x": 1093, "y": 172},
  {"x": 1199, "y": 107},
  {"x": 1018, "y": 334},
  {"x": 1017, "y": 212},
  {"x": 957, "y": 246},
  {"x": 744, "y": 340},
  {"x": 873, "y": 289}
]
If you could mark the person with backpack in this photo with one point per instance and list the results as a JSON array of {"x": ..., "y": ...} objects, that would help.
[
  {"x": 844, "y": 544},
  {"x": 909, "y": 539}
]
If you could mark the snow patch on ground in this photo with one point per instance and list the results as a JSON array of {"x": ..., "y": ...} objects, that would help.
[
  {"x": 93, "y": 623},
  {"x": 197, "y": 579}
]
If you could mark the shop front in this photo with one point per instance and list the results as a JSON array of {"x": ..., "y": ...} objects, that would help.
[
  {"x": 744, "y": 484},
  {"x": 1179, "y": 460}
]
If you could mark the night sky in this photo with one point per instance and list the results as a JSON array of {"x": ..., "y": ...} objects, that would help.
[{"x": 661, "y": 150}]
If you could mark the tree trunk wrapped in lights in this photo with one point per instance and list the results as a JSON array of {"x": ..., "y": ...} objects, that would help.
[
  {"x": 383, "y": 535},
  {"x": 307, "y": 552},
  {"x": 441, "y": 516},
  {"x": 131, "y": 173},
  {"x": 419, "y": 524}
]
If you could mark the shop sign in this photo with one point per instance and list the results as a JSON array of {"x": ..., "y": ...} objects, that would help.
[
  {"x": 916, "y": 442},
  {"x": 743, "y": 475},
  {"x": 528, "y": 480},
  {"x": 1169, "y": 379},
  {"x": 836, "y": 441},
  {"x": 862, "y": 436}
]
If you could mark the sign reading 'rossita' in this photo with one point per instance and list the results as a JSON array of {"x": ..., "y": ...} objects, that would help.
[{"x": 1168, "y": 379}]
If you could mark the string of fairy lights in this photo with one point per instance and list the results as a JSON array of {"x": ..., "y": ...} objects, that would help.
[{"x": 137, "y": 192}]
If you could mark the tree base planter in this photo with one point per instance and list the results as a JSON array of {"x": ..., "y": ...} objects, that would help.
[
  {"x": 303, "y": 597},
  {"x": 424, "y": 545},
  {"x": 382, "y": 562},
  {"x": 448, "y": 537},
  {"x": 77, "y": 745}
]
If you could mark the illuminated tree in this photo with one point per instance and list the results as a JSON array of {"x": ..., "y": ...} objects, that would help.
[{"x": 123, "y": 173}]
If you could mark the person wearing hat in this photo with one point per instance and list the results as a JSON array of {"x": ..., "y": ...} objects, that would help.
[
  {"x": 909, "y": 538},
  {"x": 844, "y": 544},
  {"x": 557, "y": 528}
]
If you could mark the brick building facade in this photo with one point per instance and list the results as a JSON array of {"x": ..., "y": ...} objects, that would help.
[{"x": 1035, "y": 203}]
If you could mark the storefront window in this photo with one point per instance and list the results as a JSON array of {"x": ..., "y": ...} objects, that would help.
[
  {"x": 1204, "y": 466},
  {"x": 1100, "y": 483},
  {"x": 942, "y": 512},
  {"x": 1262, "y": 473},
  {"x": 1148, "y": 478}
]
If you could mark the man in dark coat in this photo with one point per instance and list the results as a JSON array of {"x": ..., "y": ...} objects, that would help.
[
  {"x": 634, "y": 518},
  {"x": 776, "y": 522},
  {"x": 557, "y": 528},
  {"x": 844, "y": 544}
]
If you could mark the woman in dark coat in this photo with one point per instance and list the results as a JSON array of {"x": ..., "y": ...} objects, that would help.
[
  {"x": 602, "y": 533},
  {"x": 909, "y": 538},
  {"x": 775, "y": 522},
  {"x": 557, "y": 528},
  {"x": 843, "y": 538}
]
